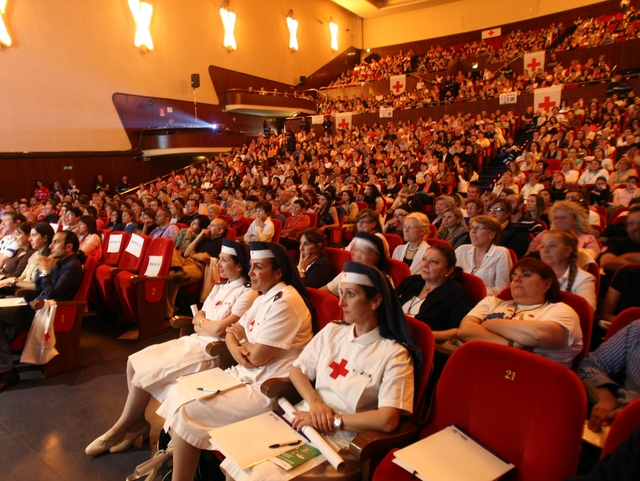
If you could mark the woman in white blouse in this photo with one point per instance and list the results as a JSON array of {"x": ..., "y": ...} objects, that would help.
[
  {"x": 415, "y": 228},
  {"x": 483, "y": 257}
]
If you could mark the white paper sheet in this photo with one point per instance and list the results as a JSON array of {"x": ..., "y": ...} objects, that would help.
[
  {"x": 114, "y": 243},
  {"x": 451, "y": 454},
  {"x": 135, "y": 245},
  {"x": 214, "y": 378},
  {"x": 12, "y": 302},
  {"x": 153, "y": 267}
]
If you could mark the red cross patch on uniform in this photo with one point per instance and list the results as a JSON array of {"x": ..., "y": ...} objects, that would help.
[
  {"x": 338, "y": 369},
  {"x": 251, "y": 324}
]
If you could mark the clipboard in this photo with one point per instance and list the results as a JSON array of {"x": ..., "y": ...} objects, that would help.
[
  {"x": 214, "y": 380},
  {"x": 247, "y": 442}
]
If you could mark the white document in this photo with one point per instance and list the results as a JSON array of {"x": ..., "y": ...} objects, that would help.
[
  {"x": 247, "y": 442},
  {"x": 12, "y": 302},
  {"x": 55, "y": 227},
  {"x": 114, "y": 243},
  {"x": 451, "y": 454},
  {"x": 153, "y": 267},
  {"x": 214, "y": 380},
  {"x": 135, "y": 245}
]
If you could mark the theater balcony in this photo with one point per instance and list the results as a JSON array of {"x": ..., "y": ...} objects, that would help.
[{"x": 268, "y": 104}]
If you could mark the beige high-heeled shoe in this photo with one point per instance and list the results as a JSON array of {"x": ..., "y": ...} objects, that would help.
[
  {"x": 129, "y": 438},
  {"x": 100, "y": 445}
]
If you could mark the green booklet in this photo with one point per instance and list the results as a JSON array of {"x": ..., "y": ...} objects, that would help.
[{"x": 295, "y": 457}]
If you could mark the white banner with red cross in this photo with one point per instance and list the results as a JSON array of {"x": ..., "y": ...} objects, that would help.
[
  {"x": 343, "y": 120},
  {"x": 491, "y": 33},
  {"x": 547, "y": 98},
  {"x": 397, "y": 84},
  {"x": 533, "y": 61}
]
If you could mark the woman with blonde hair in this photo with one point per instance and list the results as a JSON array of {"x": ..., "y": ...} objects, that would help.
[
  {"x": 453, "y": 229},
  {"x": 560, "y": 250},
  {"x": 571, "y": 217},
  {"x": 415, "y": 228}
]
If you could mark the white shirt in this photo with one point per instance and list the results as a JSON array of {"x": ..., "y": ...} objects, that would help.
[
  {"x": 401, "y": 251},
  {"x": 528, "y": 189},
  {"x": 589, "y": 176},
  {"x": 560, "y": 313},
  {"x": 261, "y": 233},
  {"x": 494, "y": 269},
  {"x": 584, "y": 285},
  {"x": 571, "y": 177}
]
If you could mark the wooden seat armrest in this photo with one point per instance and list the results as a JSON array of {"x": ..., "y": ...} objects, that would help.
[
  {"x": 137, "y": 279},
  {"x": 39, "y": 304},
  {"x": 28, "y": 294},
  {"x": 278, "y": 387},
  {"x": 116, "y": 270},
  {"x": 364, "y": 445},
  {"x": 218, "y": 349},
  {"x": 178, "y": 321}
]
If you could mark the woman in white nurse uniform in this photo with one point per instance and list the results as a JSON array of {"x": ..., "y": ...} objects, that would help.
[{"x": 153, "y": 371}]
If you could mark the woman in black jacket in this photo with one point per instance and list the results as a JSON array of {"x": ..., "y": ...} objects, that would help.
[{"x": 436, "y": 297}]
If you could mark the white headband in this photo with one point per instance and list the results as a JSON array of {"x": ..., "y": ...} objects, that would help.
[
  {"x": 367, "y": 243},
  {"x": 356, "y": 278},
  {"x": 262, "y": 254},
  {"x": 229, "y": 250}
]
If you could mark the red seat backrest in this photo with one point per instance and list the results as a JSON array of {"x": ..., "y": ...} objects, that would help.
[
  {"x": 161, "y": 247},
  {"x": 113, "y": 258},
  {"x": 327, "y": 307},
  {"x": 313, "y": 218},
  {"x": 424, "y": 337},
  {"x": 432, "y": 241},
  {"x": 622, "y": 320},
  {"x": 130, "y": 262},
  {"x": 397, "y": 270},
  {"x": 474, "y": 286},
  {"x": 231, "y": 234},
  {"x": 337, "y": 257},
  {"x": 510, "y": 400},
  {"x": 394, "y": 241},
  {"x": 277, "y": 229},
  {"x": 622, "y": 427}
]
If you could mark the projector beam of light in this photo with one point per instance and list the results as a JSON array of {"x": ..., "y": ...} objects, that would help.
[
  {"x": 293, "y": 33},
  {"x": 333, "y": 28},
  {"x": 142, "y": 12},
  {"x": 229, "y": 23},
  {"x": 5, "y": 38}
]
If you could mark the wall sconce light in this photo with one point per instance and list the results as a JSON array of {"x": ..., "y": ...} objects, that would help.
[
  {"x": 5, "y": 38},
  {"x": 229, "y": 23},
  {"x": 293, "y": 31},
  {"x": 333, "y": 28},
  {"x": 142, "y": 12}
]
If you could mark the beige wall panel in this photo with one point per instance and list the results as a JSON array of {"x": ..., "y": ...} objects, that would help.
[{"x": 70, "y": 56}]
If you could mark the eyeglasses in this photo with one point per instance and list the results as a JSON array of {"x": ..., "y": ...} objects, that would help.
[
  {"x": 398, "y": 215},
  {"x": 477, "y": 227},
  {"x": 496, "y": 209},
  {"x": 522, "y": 275},
  {"x": 411, "y": 227}
]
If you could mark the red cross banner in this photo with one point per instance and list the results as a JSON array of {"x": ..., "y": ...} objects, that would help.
[
  {"x": 397, "y": 84},
  {"x": 533, "y": 61},
  {"x": 492, "y": 33},
  {"x": 343, "y": 120},
  {"x": 547, "y": 98}
]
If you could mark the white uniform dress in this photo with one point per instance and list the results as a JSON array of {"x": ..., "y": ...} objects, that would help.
[
  {"x": 278, "y": 318},
  {"x": 157, "y": 367},
  {"x": 559, "y": 312}
]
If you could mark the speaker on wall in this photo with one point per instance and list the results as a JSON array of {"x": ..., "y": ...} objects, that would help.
[
  {"x": 303, "y": 80},
  {"x": 195, "y": 80}
]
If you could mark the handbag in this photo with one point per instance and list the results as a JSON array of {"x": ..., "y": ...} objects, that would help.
[{"x": 41, "y": 340}]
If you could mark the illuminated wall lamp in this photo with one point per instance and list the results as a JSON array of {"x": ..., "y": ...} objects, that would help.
[
  {"x": 333, "y": 28},
  {"x": 229, "y": 23},
  {"x": 292, "y": 24},
  {"x": 142, "y": 12},
  {"x": 5, "y": 38}
]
